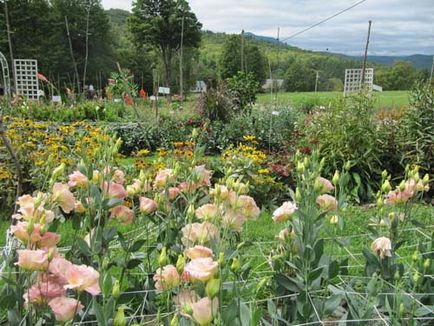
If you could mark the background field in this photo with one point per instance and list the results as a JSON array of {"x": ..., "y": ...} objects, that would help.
[{"x": 388, "y": 99}]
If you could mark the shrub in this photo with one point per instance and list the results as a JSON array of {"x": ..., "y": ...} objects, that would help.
[
  {"x": 216, "y": 104},
  {"x": 416, "y": 129},
  {"x": 346, "y": 131},
  {"x": 244, "y": 88}
]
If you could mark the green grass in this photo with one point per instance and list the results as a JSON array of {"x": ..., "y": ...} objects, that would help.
[{"x": 384, "y": 100}]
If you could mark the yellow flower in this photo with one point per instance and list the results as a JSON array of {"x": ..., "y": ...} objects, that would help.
[{"x": 263, "y": 171}]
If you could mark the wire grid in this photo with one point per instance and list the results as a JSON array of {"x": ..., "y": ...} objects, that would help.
[
  {"x": 353, "y": 80},
  {"x": 260, "y": 250}
]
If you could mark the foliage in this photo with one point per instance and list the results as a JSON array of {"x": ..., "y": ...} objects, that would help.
[
  {"x": 416, "y": 129},
  {"x": 159, "y": 24},
  {"x": 244, "y": 87},
  {"x": 92, "y": 111},
  {"x": 300, "y": 77},
  {"x": 216, "y": 104},
  {"x": 39, "y": 32},
  {"x": 250, "y": 164},
  {"x": 300, "y": 264},
  {"x": 230, "y": 59},
  {"x": 40, "y": 147},
  {"x": 346, "y": 132}
]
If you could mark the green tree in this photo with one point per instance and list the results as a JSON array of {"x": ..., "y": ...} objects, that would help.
[
  {"x": 158, "y": 23},
  {"x": 230, "y": 60},
  {"x": 300, "y": 77}
]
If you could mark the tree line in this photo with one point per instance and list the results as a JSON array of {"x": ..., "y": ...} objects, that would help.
[{"x": 77, "y": 40}]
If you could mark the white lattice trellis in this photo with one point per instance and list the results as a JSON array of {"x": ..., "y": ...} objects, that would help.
[
  {"x": 26, "y": 78},
  {"x": 353, "y": 80}
]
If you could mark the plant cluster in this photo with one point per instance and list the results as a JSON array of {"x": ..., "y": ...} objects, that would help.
[{"x": 40, "y": 147}]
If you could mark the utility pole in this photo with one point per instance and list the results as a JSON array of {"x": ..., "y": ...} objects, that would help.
[
  {"x": 8, "y": 31},
  {"x": 366, "y": 55},
  {"x": 316, "y": 81},
  {"x": 181, "y": 70},
  {"x": 432, "y": 70},
  {"x": 242, "y": 50}
]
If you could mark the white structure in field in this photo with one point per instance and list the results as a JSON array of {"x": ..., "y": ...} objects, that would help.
[
  {"x": 353, "y": 80},
  {"x": 26, "y": 78}
]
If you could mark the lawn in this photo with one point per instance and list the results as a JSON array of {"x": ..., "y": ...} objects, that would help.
[{"x": 384, "y": 100}]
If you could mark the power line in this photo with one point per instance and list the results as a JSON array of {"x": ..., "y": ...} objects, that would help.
[{"x": 324, "y": 20}]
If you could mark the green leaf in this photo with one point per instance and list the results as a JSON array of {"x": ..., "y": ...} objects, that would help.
[
  {"x": 106, "y": 284},
  {"x": 333, "y": 269},
  {"x": 332, "y": 303},
  {"x": 112, "y": 202},
  {"x": 137, "y": 245},
  {"x": 133, "y": 263},
  {"x": 287, "y": 283},
  {"x": 313, "y": 275},
  {"x": 83, "y": 247},
  {"x": 13, "y": 318},
  {"x": 99, "y": 313}
]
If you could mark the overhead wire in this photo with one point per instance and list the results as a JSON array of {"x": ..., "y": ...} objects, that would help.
[{"x": 323, "y": 21}]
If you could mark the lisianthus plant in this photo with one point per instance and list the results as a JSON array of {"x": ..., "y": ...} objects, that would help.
[
  {"x": 302, "y": 268},
  {"x": 387, "y": 272}
]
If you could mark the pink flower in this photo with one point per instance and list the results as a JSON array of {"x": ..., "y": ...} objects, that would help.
[
  {"x": 123, "y": 214},
  {"x": 184, "y": 300},
  {"x": 119, "y": 177},
  {"x": 188, "y": 186},
  {"x": 49, "y": 239},
  {"x": 202, "y": 175},
  {"x": 163, "y": 177},
  {"x": 201, "y": 269},
  {"x": 63, "y": 197},
  {"x": 113, "y": 190},
  {"x": 59, "y": 267},
  {"x": 248, "y": 207},
  {"x": 207, "y": 212},
  {"x": 44, "y": 290},
  {"x": 199, "y": 252},
  {"x": 199, "y": 233},
  {"x": 383, "y": 246},
  {"x": 166, "y": 278},
  {"x": 147, "y": 205},
  {"x": 233, "y": 220},
  {"x": 32, "y": 260},
  {"x": 284, "y": 212},
  {"x": 77, "y": 179},
  {"x": 326, "y": 185},
  {"x": 327, "y": 202},
  {"x": 64, "y": 308},
  {"x": 397, "y": 197},
  {"x": 204, "y": 311},
  {"x": 20, "y": 231},
  {"x": 82, "y": 278},
  {"x": 27, "y": 206},
  {"x": 173, "y": 192}
]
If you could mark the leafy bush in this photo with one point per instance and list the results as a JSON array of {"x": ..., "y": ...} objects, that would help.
[
  {"x": 346, "y": 131},
  {"x": 86, "y": 110},
  {"x": 416, "y": 129},
  {"x": 216, "y": 104},
  {"x": 244, "y": 88}
]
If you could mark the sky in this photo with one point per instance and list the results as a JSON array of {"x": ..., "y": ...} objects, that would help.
[{"x": 399, "y": 27}]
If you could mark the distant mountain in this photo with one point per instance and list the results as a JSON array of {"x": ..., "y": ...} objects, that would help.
[
  {"x": 262, "y": 38},
  {"x": 419, "y": 61}
]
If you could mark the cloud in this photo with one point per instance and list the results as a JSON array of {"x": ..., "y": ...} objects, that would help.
[{"x": 398, "y": 27}]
